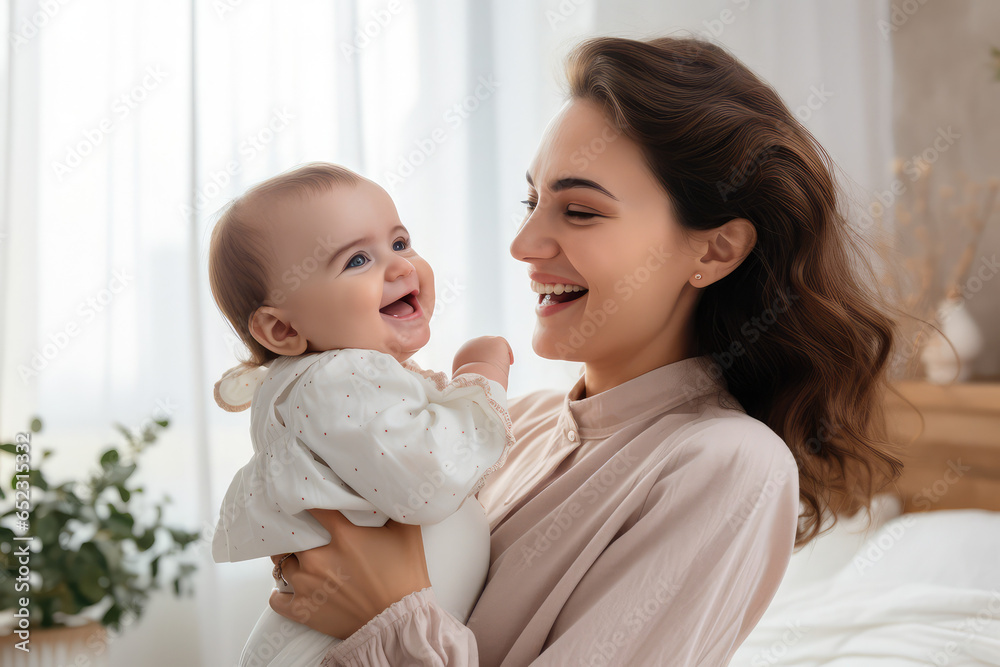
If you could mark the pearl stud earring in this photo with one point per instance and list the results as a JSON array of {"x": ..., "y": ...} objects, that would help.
[{"x": 697, "y": 276}]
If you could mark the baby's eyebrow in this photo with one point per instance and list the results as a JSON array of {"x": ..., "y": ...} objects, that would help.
[{"x": 348, "y": 246}]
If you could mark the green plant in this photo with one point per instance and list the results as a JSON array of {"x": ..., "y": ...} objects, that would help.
[{"x": 87, "y": 548}]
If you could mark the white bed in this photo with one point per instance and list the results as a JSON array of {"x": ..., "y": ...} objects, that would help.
[
  {"x": 919, "y": 587},
  {"x": 923, "y": 589}
]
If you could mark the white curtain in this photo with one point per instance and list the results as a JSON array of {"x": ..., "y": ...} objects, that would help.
[{"x": 127, "y": 125}]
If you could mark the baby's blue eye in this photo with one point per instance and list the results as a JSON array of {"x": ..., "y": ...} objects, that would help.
[
  {"x": 399, "y": 242},
  {"x": 353, "y": 265}
]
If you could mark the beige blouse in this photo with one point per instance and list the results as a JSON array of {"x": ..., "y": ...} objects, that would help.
[{"x": 647, "y": 525}]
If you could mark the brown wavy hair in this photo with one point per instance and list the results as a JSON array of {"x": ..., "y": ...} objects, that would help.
[{"x": 723, "y": 145}]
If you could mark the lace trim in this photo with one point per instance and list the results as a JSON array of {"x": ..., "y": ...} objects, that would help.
[{"x": 441, "y": 381}]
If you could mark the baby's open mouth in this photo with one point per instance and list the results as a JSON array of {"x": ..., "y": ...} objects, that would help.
[{"x": 406, "y": 305}]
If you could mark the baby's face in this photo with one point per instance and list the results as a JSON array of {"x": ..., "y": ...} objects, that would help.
[{"x": 345, "y": 275}]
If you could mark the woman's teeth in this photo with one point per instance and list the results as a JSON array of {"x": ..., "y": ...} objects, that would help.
[
  {"x": 550, "y": 294},
  {"x": 557, "y": 288}
]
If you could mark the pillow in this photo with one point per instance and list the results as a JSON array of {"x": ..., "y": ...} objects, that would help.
[{"x": 955, "y": 548}]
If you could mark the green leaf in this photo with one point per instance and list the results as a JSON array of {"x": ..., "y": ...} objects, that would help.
[
  {"x": 9, "y": 447},
  {"x": 124, "y": 493},
  {"x": 112, "y": 617},
  {"x": 146, "y": 540},
  {"x": 87, "y": 586},
  {"x": 183, "y": 537},
  {"x": 36, "y": 425},
  {"x": 119, "y": 523},
  {"x": 37, "y": 480},
  {"x": 117, "y": 474},
  {"x": 46, "y": 527},
  {"x": 109, "y": 458}
]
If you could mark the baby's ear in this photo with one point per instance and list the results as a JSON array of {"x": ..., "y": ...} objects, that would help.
[{"x": 269, "y": 327}]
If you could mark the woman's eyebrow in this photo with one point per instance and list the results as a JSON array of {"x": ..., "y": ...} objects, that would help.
[{"x": 573, "y": 182}]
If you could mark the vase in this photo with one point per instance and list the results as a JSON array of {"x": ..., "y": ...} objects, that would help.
[
  {"x": 53, "y": 647},
  {"x": 941, "y": 364}
]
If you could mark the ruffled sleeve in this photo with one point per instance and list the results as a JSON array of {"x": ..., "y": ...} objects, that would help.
[
  {"x": 412, "y": 628},
  {"x": 413, "y": 444}
]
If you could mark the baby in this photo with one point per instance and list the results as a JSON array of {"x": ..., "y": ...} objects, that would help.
[{"x": 316, "y": 274}]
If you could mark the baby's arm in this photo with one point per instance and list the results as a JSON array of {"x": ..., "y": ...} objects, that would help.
[
  {"x": 489, "y": 356},
  {"x": 413, "y": 445}
]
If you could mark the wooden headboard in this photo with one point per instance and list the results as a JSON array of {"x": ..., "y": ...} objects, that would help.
[{"x": 954, "y": 463}]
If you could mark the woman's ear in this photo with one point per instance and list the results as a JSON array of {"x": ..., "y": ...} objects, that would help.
[
  {"x": 270, "y": 329},
  {"x": 724, "y": 248}
]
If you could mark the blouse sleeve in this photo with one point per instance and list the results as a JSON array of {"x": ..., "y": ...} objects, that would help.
[
  {"x": 413, "y": 446},
  {"x": 413, "y": 630},
  {"x": 690, "y": 579}
]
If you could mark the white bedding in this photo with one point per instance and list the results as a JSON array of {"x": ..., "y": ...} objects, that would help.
[{"x": 923, "y": 590}]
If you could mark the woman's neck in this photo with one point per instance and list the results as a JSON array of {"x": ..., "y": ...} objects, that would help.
[{"x": 605, "y": 374}]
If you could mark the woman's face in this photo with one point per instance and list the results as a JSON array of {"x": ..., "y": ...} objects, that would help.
[{"x": 599, "y": 222}]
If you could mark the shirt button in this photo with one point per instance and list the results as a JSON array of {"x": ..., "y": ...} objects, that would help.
[{"x": 572, "y": 436}]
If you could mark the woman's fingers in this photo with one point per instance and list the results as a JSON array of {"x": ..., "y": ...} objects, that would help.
[
  {"x": 340, "y": 586},
  {"x": 281, "y": 603},
  {"x": 298, "y": 608},
  {"x": 315, "y": 602}
]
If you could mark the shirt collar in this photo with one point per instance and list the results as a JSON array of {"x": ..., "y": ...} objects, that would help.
[{"x": 655, "y": 392}]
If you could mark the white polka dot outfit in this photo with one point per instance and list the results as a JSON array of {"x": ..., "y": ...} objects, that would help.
[{"x": 355, "y": 430}]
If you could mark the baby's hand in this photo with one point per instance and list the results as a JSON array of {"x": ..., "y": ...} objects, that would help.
[{"x": 489, "y": 356}]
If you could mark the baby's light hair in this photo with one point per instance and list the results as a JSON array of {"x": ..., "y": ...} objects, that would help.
[{"x": 239, "y": 255}]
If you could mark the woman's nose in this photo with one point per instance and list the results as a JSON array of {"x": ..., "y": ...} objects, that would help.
[{"x": 533, "y": 240}]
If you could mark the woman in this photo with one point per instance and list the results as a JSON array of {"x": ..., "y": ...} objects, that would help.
[{"x": 687, "y": 227}]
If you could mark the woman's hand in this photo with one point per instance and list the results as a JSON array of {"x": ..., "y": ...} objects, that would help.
[{"x": 362, "y": 571}]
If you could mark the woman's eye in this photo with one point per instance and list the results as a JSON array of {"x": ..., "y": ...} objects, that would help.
[
  {"x": 354, "y": 264},
  {"x": 402, "y": 245},
  {"x": 580, "y": 215},
  {"x": 530, "y": 204}
]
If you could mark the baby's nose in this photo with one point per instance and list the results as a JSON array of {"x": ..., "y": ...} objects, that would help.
[{"x": 398, "y": 268}]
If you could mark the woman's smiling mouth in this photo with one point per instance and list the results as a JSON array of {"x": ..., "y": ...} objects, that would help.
[{"x": 553, "y": 297}]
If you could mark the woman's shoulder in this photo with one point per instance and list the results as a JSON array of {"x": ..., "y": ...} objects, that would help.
[{"x": 734, "y": 444}]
